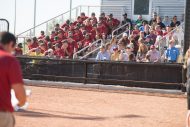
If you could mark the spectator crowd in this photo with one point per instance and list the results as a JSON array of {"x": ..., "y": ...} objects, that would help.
[{"x": 142, "y": 45}]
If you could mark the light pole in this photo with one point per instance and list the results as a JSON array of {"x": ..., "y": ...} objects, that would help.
[
  {"x": 34, "y": 17},
  {"x": 70, "y": 10},
  {"x": 15, "y": 19}
]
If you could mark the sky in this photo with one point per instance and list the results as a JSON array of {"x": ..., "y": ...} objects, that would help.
[{"x": 46, "y": 9}]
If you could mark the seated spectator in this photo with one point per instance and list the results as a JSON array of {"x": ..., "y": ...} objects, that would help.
[
  {"x": 72, "y": 47},
  {"x": 141, "y": 51},
  {"x": 115, "y": 55},
  {"x": 126, "y": 20},
  {"x": 52, "y": 36},
  {"x": 58, "y": 52},
  {"x": 172, "y": 52},
  {"x": 93, "y": 18},
  {"x": 101, "y": 30},
  {"x": 133, "y": 45},
  {"x": 83, "y": 16},
  {"x": 87, "y": 40},
  {"x": 112, "y": 23},
  {"x": 88, "y": 26},
  {"x": 113, "y": 43},
  {"x": 146, "y": 30},
  {"x": 159, "y": 22},
  {"x": 64, "y": 48},
  {"x": 36, "y": 52},
  {"x": 132, "y": 58},
  {"x": 148, "y": 42},
  {"x": 146, "y": 59},
  {"x": 79, "y": 21},
  {"x": 42, "y": 36},
  {"x": 174, "y": 22},
  {"x": 144, "y": 23},
  {"x": 168, "y": 30},
  {"x": 18, "y": 50},
  {"x": 66, "y": 24},
  {"x": 139, "y": 21},
  {"x": 124, "y": 40},
  {"x": 152, "y": 35},
  {"x": 103, "y": 54},
  {"x": 103, "y": 18},
  {"x": 158, "y": 31},
  {"x": 152, "y": 22},
  {"x": 166, "y": 21},
  {"x": 154, "y": 54},
  {"x": 42, "y": 47},
  {"x": 124, "y": 55},
  {"x": 50, "y": 53},
  {"x": 32, "y": 43}
]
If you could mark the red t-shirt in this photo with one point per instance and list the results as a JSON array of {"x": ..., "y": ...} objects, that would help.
[
  {"x": 10, "y": 73},
  {"x": 18, "y": 52},
  {"x": 59, "y": 53},
  {"x": 33, "y": 45}
]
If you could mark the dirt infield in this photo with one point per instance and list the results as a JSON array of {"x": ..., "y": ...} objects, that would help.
[{"x": 53, "y": 107}]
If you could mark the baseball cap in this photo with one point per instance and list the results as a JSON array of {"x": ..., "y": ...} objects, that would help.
[
  {"x": 125, "y": 35},
  {"x": 115, "y": 48}
]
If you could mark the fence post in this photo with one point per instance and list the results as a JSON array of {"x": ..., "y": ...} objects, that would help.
[{"x": 85, "y": 72}]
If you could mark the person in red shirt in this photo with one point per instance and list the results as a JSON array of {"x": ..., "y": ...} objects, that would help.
[
  {"x": 93, "y": 32},
  {"x": 79, "y": 21},
  {"x": 88, "y": 26},
  {"x": 43, "y": 47},
  {"x": 101, "y": 29},
  {"x": 93, "y": 18},
  {"x": 83, "y": 17},
  {"x": 78, "y": 34},
  {"x": 87, "y": 40},
  {"x": 18, "y": 50},
  {"x": 66, "y": 24},
  {"x": 42, "y": 36},
  {"x": 112, "y": 23},
  {"x": 10, "y": 78},
  {"x": 32, "y": 43},
  {"x": 59, "y": 53},
  {"x": 72, "y": 47}
]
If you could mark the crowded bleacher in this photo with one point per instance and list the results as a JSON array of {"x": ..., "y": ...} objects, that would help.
[{"x": 142, "y": 44}]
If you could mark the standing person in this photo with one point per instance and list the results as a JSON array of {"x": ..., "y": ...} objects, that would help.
[
  {"x": 172, "y": 52},
  {"x": 126, "y": 20},
  {"x": 10, "y": 78},
  {"x": 152, "y": 22}
]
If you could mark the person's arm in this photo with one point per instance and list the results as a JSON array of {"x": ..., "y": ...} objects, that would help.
[
  {"x": 19, "y": 93},
  {"x": 16, "y": 81}
]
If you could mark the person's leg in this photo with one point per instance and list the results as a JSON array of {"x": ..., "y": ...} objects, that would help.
[
  {"x": 188, "y": 102},
  {"x": 6, "y": 119}
]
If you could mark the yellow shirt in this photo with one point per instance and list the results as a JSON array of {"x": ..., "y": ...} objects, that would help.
[{"x": 115, "y": 56}]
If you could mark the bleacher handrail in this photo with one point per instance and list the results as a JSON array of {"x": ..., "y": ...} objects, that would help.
[
  {"x": 75, "y": 54},
  {"x": 121, "y": 28}
]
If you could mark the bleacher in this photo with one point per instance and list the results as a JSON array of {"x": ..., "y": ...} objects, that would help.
[{"x": 85, "y": 35}]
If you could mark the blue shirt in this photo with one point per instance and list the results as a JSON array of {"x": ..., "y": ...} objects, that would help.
[
  {"x": 103, "y": 56},
  {"x": 141, "y": 28},
  {"x": 172, "y": 54}
]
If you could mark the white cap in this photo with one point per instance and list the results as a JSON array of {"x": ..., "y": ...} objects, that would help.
[
  {"x": 50, "y": 50},
  {"x": 125, "y": 35}
]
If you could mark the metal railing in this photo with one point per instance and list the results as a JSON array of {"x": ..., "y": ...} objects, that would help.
[
  {"x": 4, "y": 25},
  {"x": 177, "y": 34},
  {"x": 89, "y": 47},
  {"x": 48, "y": 25},
  {"x": 120, "y": 30},
  {"x": 123, "y": 26}
]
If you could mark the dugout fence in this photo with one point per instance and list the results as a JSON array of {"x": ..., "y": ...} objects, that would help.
[{"x": 148, "y": 75}]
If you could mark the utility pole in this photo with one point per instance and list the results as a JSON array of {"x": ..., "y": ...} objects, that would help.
[
  {"x": 15, "y": 19},
  {"x": 34, "y": 17},
  {"x": 70, "y": 15}
]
